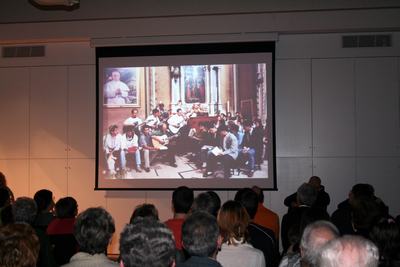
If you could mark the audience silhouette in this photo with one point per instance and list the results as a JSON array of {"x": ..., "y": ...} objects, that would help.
[{"x": 243, "y": 232}]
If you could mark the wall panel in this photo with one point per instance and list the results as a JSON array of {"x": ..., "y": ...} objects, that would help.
[
  {"x": 377, "y": 107},
  {"x": 48, "y": 112},
  {"x": 14, "y": 113},
  {"x": 333, "y": 107},
  {"x": 48, "y": 174},
  {"x": 81, "y": 111},
  {"x": 17, "y": 175},
  {"x": 293, "y": 108}
]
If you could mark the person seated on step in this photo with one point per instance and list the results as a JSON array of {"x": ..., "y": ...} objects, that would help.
[
  {"x": 130, "y": 148},
  {"x": 226, "y": 155},
  {"x": 112, "y": 150},
  {"x": 164, "y": 139},
  {"x": 146, "y": 142},
  {"x": 248, "y": 148}
]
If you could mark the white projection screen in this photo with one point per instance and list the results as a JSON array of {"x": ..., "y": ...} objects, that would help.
[{"x": 195, "y": 88}]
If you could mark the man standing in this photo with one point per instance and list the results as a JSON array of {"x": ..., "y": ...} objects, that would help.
[{"x": 322, "y": 200}]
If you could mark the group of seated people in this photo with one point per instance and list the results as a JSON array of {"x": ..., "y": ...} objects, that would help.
[
  {"x": 218, "y": 141},
  {"x": 202, "y": 232}
]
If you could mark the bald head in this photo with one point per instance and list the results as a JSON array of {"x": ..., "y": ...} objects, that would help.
[
  {"x": 349, "y": 251},
  {"x": 314, "y": 237}
]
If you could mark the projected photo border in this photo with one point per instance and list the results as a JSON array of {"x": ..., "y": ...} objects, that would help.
[{"x": 192, "y": 73}]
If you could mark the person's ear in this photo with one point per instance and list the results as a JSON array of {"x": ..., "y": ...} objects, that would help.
[{"x": 219, "y": 241}]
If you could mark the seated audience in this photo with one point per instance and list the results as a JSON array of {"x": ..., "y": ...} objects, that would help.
[
  {"x": 233, "y": 221},
  {"x": 3, "y": 184},
  {"x": 5, "y": 201},
  {"x": 322, "y": 200},
  {"x": 146, "y": 243},
  {"x": 207, "y": 201},
  {"x": 314, "y": 237},
  {"x": 265, "y": 216},
  {"x": 144, "y": 211},
  {"x": 66, "y": 210},
  {"x": 260, "y": 237},
  {"x": 93, "y": 231},
  {"x": 24, "y": 211},
  {"x": 182, "y": 199},
  {"x": 298, "y": 217},
  {"x": 365, "y": 213},
  {"x": 19, "y": 246},
  {"x": 349, "y": 251},
  {"x": 227, "y": 155},
  {"x": 45, "y": 203},
  {"x": 386, "y": 236},
  {"x": 61, "y": 230},
  {"x": 201, "y": 240},
  {"x": 342, "y": 217}
]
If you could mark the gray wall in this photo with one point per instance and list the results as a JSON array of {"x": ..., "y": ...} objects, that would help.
[{"x": 337, "y": 110}]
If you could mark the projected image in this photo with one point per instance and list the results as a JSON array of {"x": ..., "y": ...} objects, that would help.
[{"x": 201, "y": 121}]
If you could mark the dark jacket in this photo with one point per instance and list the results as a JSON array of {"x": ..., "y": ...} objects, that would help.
[
  {"x": 322, "y": 201},
  {"x": 248, "y": 140},
  {"x": 263, "y": 239}
]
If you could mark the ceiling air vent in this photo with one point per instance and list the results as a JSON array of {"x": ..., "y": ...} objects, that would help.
[
  {"x": 378, "y": 40},
  {"x": 23, "y": 51}
]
